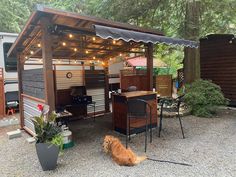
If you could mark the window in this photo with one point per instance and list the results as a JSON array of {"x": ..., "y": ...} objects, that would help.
[{"x": 10, "y": 63}]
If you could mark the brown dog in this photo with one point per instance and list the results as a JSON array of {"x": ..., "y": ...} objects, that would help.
[{"x": 119, "y": 153}]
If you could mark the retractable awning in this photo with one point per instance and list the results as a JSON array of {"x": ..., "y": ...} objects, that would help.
[{"x": 128, "y": 35}]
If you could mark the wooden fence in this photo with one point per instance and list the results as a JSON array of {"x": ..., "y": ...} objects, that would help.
[{"x": 164, "y": 85}]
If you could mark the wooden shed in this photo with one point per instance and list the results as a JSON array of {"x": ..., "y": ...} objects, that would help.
[
  {"x": 84, "y": 45},
  {"x": 218, "y": 62}
]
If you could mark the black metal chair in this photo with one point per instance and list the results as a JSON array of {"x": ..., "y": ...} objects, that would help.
[
  {"x": 171, "y": 105},
  {"x": 137, "y": 109}
]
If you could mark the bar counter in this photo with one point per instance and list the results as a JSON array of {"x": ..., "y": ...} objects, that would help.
[{"x": 120, "y": 108}]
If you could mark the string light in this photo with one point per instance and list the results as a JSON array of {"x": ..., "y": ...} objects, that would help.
[
  {"x": 114, "y": 42},
  {"x": 94, "y": 39},
  {"x": 75, "y": 49},
  {"x": 75, "y": 61},
  {"x": 98, "y": 61},
  {"x": 90, "y": 61},
  {"x": 63, "y": 43},
  {"x": 86, "y": 52},
  {"x": 39, "y": 45},
  {"x": 26, "y": 57},
  {"x": 94, "y": 58},
  {"x": 110, "y": 59},
  {"x": 31, "y": 52},
  {"x": 120, "y": 54},
  {"x": 70, "y": 35}
]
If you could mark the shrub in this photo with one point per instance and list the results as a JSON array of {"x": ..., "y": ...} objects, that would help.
[{"x": 203, "y": 97}]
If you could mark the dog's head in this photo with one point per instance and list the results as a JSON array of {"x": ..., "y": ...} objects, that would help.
[{"x": 107, "y": 143}]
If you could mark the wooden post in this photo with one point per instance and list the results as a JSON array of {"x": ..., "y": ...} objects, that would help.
[
  {"x": 47, "y": 64},
  {"x": 2, "y": 95},
  {"x": 149, "y": 56},
  {"x": 107, "y": 106},
  {"x": 20, "y": 68}
]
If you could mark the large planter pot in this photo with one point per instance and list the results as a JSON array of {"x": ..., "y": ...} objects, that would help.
[{"x": 47, "y": 155}]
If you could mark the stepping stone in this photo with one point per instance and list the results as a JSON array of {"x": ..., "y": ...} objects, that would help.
[
  {"x": 31, "y": 140},
  {"x": 14, "y": 134}
]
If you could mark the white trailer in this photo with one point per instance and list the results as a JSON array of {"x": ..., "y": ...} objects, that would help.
[{"x": 9, "y": 66}]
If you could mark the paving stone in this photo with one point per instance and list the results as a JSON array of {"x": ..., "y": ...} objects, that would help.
[
  {"x": 31, "y": 140},
  {"x": 14, "y": 134}
]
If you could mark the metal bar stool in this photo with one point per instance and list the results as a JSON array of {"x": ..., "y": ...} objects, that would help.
[
  {"x": 137, "y": 109},
  {"x": 174, "y": 107}
]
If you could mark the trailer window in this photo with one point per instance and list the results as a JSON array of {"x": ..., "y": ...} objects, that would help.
[{"x": 10, "y": 63}]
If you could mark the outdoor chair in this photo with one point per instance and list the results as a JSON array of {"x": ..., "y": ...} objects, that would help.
[
  {"x": 170, "y": 105},
  {"x": 139, "y": 109}
]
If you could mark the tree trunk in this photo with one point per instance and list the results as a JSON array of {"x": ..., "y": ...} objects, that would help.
[{"x": 191, "y": 55}]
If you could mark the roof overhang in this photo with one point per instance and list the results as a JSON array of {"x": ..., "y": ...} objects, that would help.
[
  {"x": 71, "y": 20},
  {"x": 141, "y": 61},
  {"x": 129, "y": 35}
]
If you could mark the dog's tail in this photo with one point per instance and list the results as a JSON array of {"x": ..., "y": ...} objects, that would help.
[{"x": 139, "y": 159}]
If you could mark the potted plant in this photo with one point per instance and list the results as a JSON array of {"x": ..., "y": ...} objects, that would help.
[{"x": 49, "y": 140}]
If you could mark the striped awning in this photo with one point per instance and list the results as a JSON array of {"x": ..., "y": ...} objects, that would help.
[{"x": 129, "y": 35}]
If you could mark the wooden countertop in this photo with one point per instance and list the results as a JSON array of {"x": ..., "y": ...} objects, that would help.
[{"x": 136, "y": 94}]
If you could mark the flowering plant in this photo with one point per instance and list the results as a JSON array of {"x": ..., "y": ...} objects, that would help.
[{"x": 45, "y": 127}]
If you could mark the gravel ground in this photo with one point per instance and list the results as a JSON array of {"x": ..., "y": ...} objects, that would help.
[{"x": 210, "y": 146}]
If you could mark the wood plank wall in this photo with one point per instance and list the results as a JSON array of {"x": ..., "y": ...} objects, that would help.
[
  {"x": 29, "y": 111},
  {"x": 218, "y": 63},
  {"x": 140, "y": 81},
  {"x": 95, "y": 86},
  {"x": 164, "y": 85},
  {"x": 33, "y": 83},
  {"x": 62, "y": 82},
  {"x": 2, "y": 94}
]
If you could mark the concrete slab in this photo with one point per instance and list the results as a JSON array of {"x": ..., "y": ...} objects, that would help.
[
  {"x": 14, "y": 134},
  {"x": 31, "y": 140},
  {"x": 9, "y": 121}
]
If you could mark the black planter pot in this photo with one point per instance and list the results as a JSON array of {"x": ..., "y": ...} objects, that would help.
[{"x": 47, "y": 155}]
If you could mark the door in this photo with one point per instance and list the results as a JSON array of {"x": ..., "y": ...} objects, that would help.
[{"x": 2, "y": 95}]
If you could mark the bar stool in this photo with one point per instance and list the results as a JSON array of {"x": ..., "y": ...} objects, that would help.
[
  {"x": 173, "y": 108},
  {"x": 10, "y": 111},
  {"x": 137, "y": 109}
]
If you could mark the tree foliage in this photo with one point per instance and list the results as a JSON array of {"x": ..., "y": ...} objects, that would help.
[{"x": 164, "y": 15}]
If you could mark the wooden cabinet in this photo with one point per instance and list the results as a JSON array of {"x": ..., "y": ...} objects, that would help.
[{"x": 119, "y": 111}]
